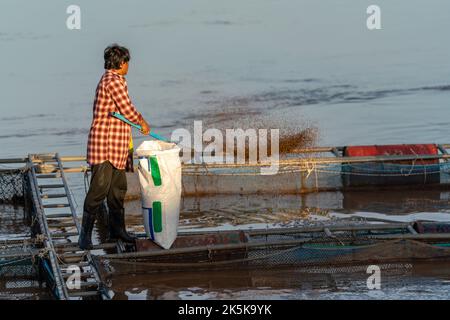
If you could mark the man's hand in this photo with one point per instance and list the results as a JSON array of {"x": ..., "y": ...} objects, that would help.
[{"x": 145, "y": 128}]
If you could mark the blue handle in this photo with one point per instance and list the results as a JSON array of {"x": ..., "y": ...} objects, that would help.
[{"x": 152, "y": 134}]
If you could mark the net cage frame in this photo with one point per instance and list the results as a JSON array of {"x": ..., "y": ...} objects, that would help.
[
  {"x": 22, "y": 261},
  {"x": 339, "y": 249}
]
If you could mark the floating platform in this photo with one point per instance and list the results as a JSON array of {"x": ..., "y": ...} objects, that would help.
[
  {"x": 288, "y": 247},
  {"x": 313, "y": 170}
]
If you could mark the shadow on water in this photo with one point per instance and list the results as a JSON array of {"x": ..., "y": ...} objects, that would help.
[
  {"x": 399, "y": 281},
  {"x": 397, "y": 201}
]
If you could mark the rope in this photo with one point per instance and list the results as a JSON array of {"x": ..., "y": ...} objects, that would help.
[
  {"x": 310, "y": 169},
  {"x": 34, "y": 220},
  {"x": 43, "y": 253},
  {"x": 315, "y": 170},
  {"x": 312, "y": 166},
  {"x": 40, "y": 238}
]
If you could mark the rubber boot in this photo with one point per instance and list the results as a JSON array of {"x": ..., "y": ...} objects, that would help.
[
  {"x": 117, "y": 227},
  {"x": 87, "y": 224}
]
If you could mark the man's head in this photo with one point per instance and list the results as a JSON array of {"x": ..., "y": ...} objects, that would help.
[{"x": 117, "y": 58}]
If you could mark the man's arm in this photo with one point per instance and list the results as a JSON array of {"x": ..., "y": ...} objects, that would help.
[{"x": 119, "y": 94}]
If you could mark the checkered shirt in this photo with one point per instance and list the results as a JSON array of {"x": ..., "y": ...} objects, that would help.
[{"x": 109, "y": 137}]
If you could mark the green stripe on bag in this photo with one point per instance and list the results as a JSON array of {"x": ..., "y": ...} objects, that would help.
[
  {"x": 157, "y": 216},
  {"x": 156, "y": 175}
]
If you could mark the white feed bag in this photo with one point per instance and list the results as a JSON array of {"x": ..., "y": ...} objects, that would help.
[{"x": 160, "y": 181}]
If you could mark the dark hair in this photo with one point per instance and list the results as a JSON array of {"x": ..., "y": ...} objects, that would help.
[{"x": 114, "y": 56}]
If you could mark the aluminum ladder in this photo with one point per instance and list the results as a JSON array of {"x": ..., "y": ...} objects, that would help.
[{"x": 50, "y": 193}]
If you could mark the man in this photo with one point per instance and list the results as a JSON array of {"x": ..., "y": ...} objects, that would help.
[{"x": 107, "y": 149}]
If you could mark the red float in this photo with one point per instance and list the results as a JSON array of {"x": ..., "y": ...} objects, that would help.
[{"x": 391, "y": 172}]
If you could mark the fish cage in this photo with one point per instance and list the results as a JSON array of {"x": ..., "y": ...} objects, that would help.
[
  {"x": 320, "y": 169},
  {"x": 24, "y": 273},
  {"x": 20, "y": 274},
  {"x": 284, "y": 248}
]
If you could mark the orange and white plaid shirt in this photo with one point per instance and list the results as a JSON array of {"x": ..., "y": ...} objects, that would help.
[{"x": 109, "y": 137}]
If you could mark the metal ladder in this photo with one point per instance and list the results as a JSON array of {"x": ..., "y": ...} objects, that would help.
[{"x": 66, "y": 258}]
